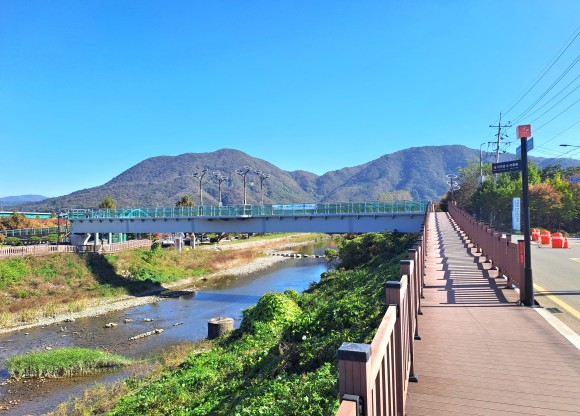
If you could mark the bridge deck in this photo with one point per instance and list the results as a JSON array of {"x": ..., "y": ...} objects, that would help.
[{"x": 480, "y": 354}]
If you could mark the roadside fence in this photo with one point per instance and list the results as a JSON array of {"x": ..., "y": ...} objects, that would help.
[
  {"x": 43, "y": 250},
  {"x": 504, "y": 254}
]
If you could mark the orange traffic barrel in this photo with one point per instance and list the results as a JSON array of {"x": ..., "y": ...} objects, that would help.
[
  {"x": 545, "y": 237},
  {"x": 557, "y": 240},
  {"x": 566, "y": 242},
  {"x": 535, "y": 234}
]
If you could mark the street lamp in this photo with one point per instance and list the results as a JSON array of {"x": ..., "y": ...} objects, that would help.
[
  {"x": 263, "y": 176},
  {"x": 200, "y": 176},
  {"x": 220, "y": 179},
  {"x": 243, "y": 172},
  {"x": 569, "y": 145}
]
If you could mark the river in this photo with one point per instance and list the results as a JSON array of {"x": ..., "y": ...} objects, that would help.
[{"x": 182, "y": 318}]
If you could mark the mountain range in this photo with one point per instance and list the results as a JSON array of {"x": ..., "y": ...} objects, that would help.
[
  {"x": 9, "y": 201},
  {"x": 163, "y": 180}
]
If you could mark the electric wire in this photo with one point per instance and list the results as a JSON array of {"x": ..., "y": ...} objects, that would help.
[
  {"x": 568, "y": 43},
  {"x": 560, "y": 77},
  {"x": 559, "y": 114},
  {"x": 551, "y": 99}
]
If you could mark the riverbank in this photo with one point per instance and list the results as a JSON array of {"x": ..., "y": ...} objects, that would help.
[{"x": 239, "y": 267}]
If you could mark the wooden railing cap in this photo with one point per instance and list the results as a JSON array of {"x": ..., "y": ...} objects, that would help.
[
  {"x": 393, "y": 284},
  {"x": 352, "y": 351}
]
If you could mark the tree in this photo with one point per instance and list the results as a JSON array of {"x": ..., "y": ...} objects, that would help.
[
  {"x": 545, "y": 205},
  {"x": 469, "y": 182},
  {"x": 398, "y": 195},
  {"x": 184, "y": 201},
  {"x": 108, "y": 203}
]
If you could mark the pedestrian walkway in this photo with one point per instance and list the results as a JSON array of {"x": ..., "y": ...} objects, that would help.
[{"x": 480, "y": 354}]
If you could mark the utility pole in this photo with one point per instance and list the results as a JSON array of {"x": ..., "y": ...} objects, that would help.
[{"x": 499, "y": 127}]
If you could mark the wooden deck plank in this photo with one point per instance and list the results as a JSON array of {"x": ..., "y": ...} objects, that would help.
[{"x": 480, "y": 354}]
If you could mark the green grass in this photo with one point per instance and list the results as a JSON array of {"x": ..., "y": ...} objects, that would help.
[
  {"x": 12, "y": 271},
  {"x": 283, "y": 359},
  {"x": 63, "y": 362}
]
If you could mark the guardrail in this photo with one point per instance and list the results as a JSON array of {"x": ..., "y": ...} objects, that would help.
[
  {"x": 504, "y": 254},
  {"x": 373, "y": 378},
  {"x": 254, "y": 210},
  {"x": 43, "y": 250}
]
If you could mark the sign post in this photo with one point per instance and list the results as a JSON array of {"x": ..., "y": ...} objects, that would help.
[{"x": 526, "y": 295}]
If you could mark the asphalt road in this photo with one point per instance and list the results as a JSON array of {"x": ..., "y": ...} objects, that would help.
[{"x": 556, "y": 274}]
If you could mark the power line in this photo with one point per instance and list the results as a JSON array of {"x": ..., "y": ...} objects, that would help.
[
  {"x": 551, "y": 99},
  {"x": 559, "y": 134},
  {"x": 558, "y": 115},
  {"x": 562, "y": 75},
  {"x": 568, "y": 43}
]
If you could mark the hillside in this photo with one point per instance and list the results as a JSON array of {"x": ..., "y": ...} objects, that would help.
[{"x": 162, "y": 180}]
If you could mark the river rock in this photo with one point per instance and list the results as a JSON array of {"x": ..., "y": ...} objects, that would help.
[
  {"x": 128, "y": 320},
  {"x": 146, "y": 334},
  {"x": 147, "y": 320},
  {"x": 111, "y": 325}
]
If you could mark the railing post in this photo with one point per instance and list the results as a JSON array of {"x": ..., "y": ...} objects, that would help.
[
  {"x": 354, "y": 366},
  {"x": 393, "y": 295}
]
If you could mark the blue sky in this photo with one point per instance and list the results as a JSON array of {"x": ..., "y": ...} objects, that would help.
[{"x": 90, "y": 88}]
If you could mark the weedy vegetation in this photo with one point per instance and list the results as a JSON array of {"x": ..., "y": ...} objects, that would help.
[
  {"x": 63, "y": 362},
  {"x": 283, "y": 358}
]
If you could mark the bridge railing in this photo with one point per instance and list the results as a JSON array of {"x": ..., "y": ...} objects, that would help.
[
  {"x": 43, "y": 250},
  {"x": 373, "y": 378},
  {"x": 504, "y": 254},
  {"x": 393, "y": 207}
]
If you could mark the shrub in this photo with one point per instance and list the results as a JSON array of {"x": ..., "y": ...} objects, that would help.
[{"x": 13, "y": 241}]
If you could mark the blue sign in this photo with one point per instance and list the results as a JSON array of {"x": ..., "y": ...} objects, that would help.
[
  {"x": 516, "y": 213},
  {"x": 575, "y": 179}
]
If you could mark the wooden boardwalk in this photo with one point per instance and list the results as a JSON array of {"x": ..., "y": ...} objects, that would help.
[{"x": 480, "y": 354}]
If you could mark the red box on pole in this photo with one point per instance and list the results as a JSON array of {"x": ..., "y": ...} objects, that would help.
[
  {"x": 524, "y": 131},
  {"x": 521, "y": 251}
]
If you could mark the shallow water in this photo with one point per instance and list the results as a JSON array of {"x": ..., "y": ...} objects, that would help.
[{"x": 182, "y": 319}]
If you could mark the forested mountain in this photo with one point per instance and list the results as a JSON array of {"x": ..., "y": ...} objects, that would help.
[{"x": 161, "y": 181}]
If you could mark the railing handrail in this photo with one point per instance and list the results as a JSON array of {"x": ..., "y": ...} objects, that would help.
[
  {"x": 345, "y": 208},
  {"x": 42, "y": 250},
  {"x": 498, "y": 247},
  {"x": 36, "y": 231},
  {"x": 377, "y": 375}
]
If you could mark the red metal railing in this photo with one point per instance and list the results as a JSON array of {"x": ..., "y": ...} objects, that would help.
[
  {"x": 373, "y": 379},
  {"x": 43, "y": 250},
  {"x": 503, "y": 253}
]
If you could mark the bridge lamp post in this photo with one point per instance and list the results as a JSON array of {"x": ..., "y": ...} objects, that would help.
[
  {"x": 199, "y": 175},
  {"x": 263, "y": 176},
  {"x": 243, "y": 172},
  {"x": 220, "y": 178}
]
